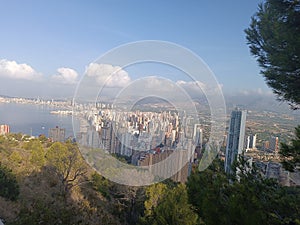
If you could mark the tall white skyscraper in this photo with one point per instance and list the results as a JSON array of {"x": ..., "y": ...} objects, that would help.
[
  {"x": 235, "y": 139},
  {"x": 251, "y": 142}
]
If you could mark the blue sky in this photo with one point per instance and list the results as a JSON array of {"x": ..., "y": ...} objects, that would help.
[{"x": 48, "y": 35}]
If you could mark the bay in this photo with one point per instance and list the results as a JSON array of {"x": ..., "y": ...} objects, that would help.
[{"x": 33, "y": 119}]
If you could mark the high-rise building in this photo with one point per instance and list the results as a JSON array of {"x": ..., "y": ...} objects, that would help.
[
  {"x": 251, "y": 142},
  {"x": 198, "y": 135},
  {"x": 93, "y": 139},
  {"x": 235, "y": 139},
  {"x": 179, "y": 164},
  {"x": 106, "y": 136},
  {"x": 4, "y": 129},
  {"x": 57, "y": 134},
  {"x": 266, "y": 145},
  {"x": 274, "y": 144}
]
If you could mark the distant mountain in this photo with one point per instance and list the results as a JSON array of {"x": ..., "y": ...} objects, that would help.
[
  {"x": 151, "y": 100},
  {"x": 258, "y": 102}
]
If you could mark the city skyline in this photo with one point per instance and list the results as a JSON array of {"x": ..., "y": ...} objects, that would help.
[{"x": 149, "y": 112}]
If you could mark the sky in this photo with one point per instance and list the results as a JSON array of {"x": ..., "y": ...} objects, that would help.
[{"x": 46, "y": 47}]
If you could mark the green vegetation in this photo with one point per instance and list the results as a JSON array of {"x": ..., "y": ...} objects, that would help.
[
  {"x": 154, "y": 195},
  {"x": 273, "y": 38},
  {"x": 37, "y": 153},
  {"x": 9, "y": 187},
  {"x": 243, "y": 199},
  {"x": 101, "y": 185},
  {"x": 291, "y": 153},
  {"x": 48, "y": 183},
  {"x": 53, "y": 185},
  {"x": 165, "y": 205},
  {"x": 65, "y": 162}
]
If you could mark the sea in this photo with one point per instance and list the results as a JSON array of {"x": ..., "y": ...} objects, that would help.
[{"x": 34, "y": 119}]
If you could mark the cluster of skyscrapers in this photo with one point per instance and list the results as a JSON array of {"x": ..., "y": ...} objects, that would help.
[
  {"x": 146, "y": 137},
  {"x": 150, "y": 137}
]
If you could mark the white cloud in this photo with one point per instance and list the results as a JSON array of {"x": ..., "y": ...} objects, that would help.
[
  {"x": 195, "y": 85},
  {"x": 198, "y": 86},
  {"x": 256, "y": 92},
  {"x": 14, "y": 70},
  {"x": 65, "y": 76},
  {"x": 156, "y": 82},
  {"x": 108, "y": 75}
]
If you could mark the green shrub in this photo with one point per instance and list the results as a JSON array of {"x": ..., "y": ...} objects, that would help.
[{"x": 9, "y": 187}]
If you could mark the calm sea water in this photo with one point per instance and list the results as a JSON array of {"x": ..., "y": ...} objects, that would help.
[{"x": 33, "y": 119}]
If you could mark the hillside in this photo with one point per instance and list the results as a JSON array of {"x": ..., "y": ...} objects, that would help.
[
  {"x": 49, "y": 183},
  {"x": 42, "y": 196}
]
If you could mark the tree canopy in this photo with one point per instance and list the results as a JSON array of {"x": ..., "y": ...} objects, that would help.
[
  {"x": 65, "y": 161},
  {"x": 9, "y": 187},
  {"x": 244, "y": 199},
  {"x": 291, "y": 153},
  {"x": 166, "y": 205},
  {"x": 274, "y": 39}
]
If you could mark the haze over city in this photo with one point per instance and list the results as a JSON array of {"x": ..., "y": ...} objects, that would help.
[{"x": 149, "y": 112}]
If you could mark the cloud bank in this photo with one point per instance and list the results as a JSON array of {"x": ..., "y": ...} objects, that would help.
[
  {"x": 65, "y": 76},
  {"x": 108, "y": 75},
  {"x": 14, "y": 70}
]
